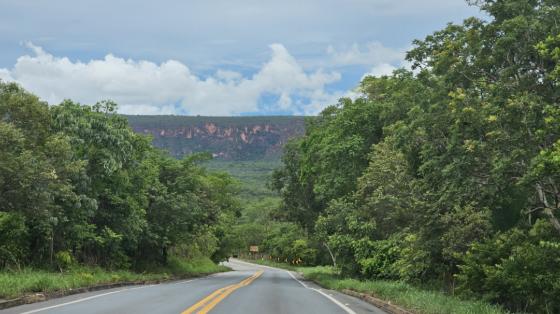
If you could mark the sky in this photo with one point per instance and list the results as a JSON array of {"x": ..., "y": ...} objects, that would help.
[{"x": 211, "y": 57}]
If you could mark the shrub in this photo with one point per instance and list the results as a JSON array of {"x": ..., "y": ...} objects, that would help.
[
  {"x": 379, "y": 263},
  {"x": 13, "y": 239},
  {"x": 517, "y": 268},
  {"x": 302, "y": 253},
  {"x": 64, "y": 260}
]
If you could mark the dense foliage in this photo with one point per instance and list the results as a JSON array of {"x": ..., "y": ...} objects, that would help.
[
  {"x": 258, "y": 222},
  {"x": 77, "y": 185},
  {"x": 449, "y": 173},
  {"x": 253, "y": 176}
]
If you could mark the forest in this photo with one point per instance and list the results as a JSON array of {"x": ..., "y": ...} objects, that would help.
[
  {"x": 448, "y": 174},
  {"x": 78, "y": 186}
]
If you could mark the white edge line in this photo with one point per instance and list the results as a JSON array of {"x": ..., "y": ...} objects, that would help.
[
  {"x": 98, "y": 296},
  {"x": 184, "y": 281},
  {"x": 335, "y": 301},
  {"x": 342, "y": 306},
  {"x": 294, "y": 277},
  {"x": 82, "y": 300}
]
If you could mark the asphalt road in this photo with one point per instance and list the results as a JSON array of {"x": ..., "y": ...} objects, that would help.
[{"x": 249, "y": 289}]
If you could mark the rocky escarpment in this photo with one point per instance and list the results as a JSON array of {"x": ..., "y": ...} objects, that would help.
[{"x": 226, "y": 138}]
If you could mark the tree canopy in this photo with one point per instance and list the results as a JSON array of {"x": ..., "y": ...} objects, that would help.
[
  {"x": 447, "y": 172},
  {"x": 77, "y": 183}
]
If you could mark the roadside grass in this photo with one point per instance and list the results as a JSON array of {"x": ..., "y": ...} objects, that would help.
[
  {"x": 414, "y": 299},
  {"x": 409, "y": 297},
  {"x": 18, "y": 283}
]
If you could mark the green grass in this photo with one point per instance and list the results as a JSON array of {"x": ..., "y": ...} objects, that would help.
[
  {"x": 408, "y": 296},
  {"x": 405, "y": 295},
  {"x": 17, "y": 283}
]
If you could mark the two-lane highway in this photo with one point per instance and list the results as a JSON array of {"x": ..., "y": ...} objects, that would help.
[{"x": 249, "y": 289}]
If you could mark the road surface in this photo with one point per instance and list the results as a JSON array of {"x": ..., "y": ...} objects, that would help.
[{"x": 249, "y": 289}]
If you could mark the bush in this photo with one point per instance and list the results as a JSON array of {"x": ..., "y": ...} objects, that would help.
[
  {"x": 517, "y": 268},
  {"x": 380, "y": 261},
  {"x": 301, "y": 253},
  {"x": 13, "y": 239},
  {"x": 64, "y": 260}
]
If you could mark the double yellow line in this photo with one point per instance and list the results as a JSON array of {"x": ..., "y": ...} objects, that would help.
[{"x": 205, "y": 305}]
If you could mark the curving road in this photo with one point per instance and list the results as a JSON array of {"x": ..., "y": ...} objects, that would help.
[{"x": 249, "y": 289}]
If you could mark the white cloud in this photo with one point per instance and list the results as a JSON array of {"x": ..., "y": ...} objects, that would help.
[
  {"x": 147, "y": 109},
  {"x": 226, "y": 75},
  {"x": 144, "y": 87},
  {"x": 320, "y": 101},
  {"x": 5, "y": 75},
  {"x": 380, "y": 70},
  {"x": 409, "y": 7},
  {"x": 373, "y": 54}
]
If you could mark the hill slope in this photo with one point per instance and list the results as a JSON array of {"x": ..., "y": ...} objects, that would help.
[{"x": 227, "y": 138}]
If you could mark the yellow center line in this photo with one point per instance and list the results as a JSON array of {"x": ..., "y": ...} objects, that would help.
[
  {"x": 205, "y": 300},
  {"x": 210, "y": 301}
]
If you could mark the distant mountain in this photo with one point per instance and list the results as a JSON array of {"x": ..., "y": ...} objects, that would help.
[{"x": 227, "y": 138}]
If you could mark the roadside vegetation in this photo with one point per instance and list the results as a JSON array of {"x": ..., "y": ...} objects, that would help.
[
  {"x": 84, "y": 199},
  {"x": 17, "y": 283},
  {"x": 416, "y": 299},
  {"x": 445, "y": 178},
  {"x": 410, "y": 297}
]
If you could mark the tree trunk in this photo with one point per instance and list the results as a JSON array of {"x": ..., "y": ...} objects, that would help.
[
  {"x": 331, "y": 253},
  {"x": 51, "y": 248},
  {"x": 548, "y": 210}
]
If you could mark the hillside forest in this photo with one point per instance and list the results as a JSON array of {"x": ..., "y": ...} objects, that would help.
[{"x": 444, "y": 175}]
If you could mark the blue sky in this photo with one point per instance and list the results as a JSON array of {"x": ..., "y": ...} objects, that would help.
[{"x": 213, "y": 57}]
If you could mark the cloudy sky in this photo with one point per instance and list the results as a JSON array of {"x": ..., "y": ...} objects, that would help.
[{"x": 211, "y": 57}]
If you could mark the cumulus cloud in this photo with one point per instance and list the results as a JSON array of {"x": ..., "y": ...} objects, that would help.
[
  {"x": 380, "y": 70},
  {"x": 144, "y": 87},
  {"x": 5, "y": 75},
  {"x": 373, "y": 54}
]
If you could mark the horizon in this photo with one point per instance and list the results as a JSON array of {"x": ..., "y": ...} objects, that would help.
[{"x": 203, "y": 116}]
